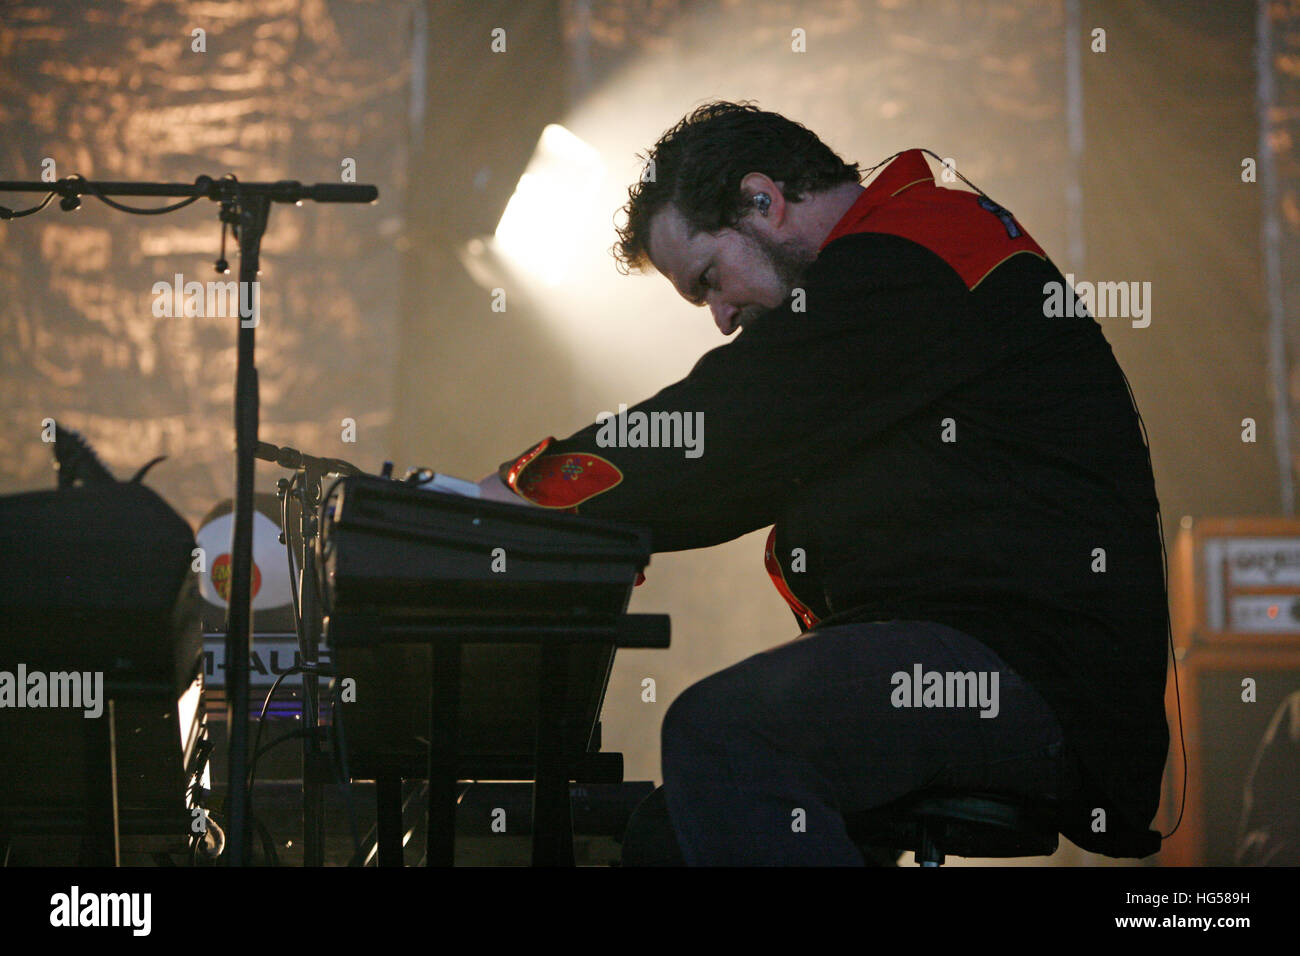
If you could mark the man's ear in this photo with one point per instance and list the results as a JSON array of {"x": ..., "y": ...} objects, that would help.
[{"x": 773, "y": 209}]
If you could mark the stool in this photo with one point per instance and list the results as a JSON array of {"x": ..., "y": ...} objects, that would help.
[{"x": 934, "y": 824}]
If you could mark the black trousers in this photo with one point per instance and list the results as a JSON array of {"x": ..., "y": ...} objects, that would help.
[{"x": 763, "y": 760}]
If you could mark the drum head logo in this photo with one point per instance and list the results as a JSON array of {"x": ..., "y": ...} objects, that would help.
[{"x": 221, "y": 577}]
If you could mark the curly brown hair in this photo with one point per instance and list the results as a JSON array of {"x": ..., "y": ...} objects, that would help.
[{"x": 697, "y": 167}]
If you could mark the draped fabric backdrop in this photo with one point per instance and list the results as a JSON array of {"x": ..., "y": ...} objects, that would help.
[
  {"x": 374, "y": 314},
  {"x": 115, "y": 91}
]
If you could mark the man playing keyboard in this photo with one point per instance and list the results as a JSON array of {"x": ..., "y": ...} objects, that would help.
[{"x": 963, "y": 513}]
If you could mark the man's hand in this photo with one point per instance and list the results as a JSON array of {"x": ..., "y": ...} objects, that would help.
[{"x": 492, "y": 488}]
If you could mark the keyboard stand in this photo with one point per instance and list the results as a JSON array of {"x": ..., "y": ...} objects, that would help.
[{"x": 559, "y": 755}]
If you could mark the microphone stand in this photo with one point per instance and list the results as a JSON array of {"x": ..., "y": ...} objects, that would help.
[
  {"x": 246, "y": 208},
  {"x": 310, "y": 473}
]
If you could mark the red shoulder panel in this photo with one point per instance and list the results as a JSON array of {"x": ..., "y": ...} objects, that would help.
[{"x": 971, "y": 233}]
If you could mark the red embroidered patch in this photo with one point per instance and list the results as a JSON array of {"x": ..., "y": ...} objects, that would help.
[{"x": 565, "y": 480}]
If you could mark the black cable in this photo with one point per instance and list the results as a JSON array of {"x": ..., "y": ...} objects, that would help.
[
  {"x": 293, "y": 572},
  {"x": 1169, "y": 629},
  {"x": 239, "y": 204},
  {"x": 338, "y": 750},
  {"x": 7, "y": 213},
  {"x": 268, "y": 843},
  {"x": 942, "y": 162},
  {"x": 257, "y": 749},
  {"x": 137, "y": 210},
  {"x": 317, "y": 590},
  {"x": 870, "y": 169},
  {"x": 1160, "y": 524},
  {"x": 298, "y": 734},
  {"x": 288, "y": 547},
  {"x": 321, "y": 526},
  {"x": 339, "y": 755},
  {"x": 261, "y": 722}
]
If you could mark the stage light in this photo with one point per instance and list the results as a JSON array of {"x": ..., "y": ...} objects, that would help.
[{"x": 539, "y": 230}]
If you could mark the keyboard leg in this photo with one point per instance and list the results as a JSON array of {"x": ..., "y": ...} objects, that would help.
[
  {"x": 552, "y": 809},
  {"x": 100, "y": 843},
  {"x": 444, "y": 715},
  {"x": 388, "y": 825}
]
